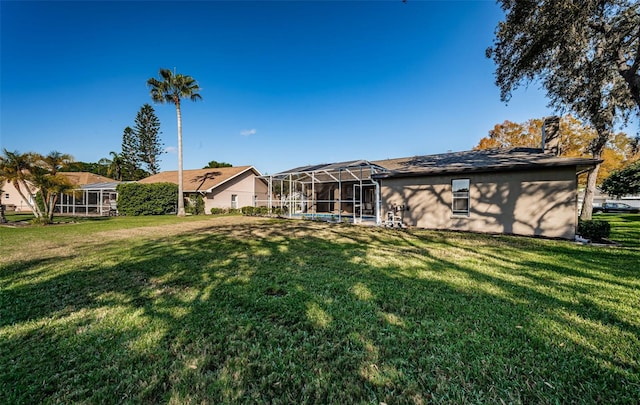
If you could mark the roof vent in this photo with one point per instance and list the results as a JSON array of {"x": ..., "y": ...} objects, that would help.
[{"x": 551, "y": 135}]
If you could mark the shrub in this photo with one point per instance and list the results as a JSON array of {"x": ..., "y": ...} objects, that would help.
[
  {"x": 248, "y": 210},
  {"x": 147, "y": 199},
  {"x": 218, "y": 211},
  {"x": 234, "y": 211},
  {"x": 594, "y": 230},
  {"x": 196, "y": 205}
]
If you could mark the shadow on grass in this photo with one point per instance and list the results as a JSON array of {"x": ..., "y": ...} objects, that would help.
[{"x": 299, "y": 312}]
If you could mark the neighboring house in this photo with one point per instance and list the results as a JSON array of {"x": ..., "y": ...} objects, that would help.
[
  {"x": 524, "y": 191},
  {"x": 94, "y": 195},
  {"x": 224, "y": 187},
  {"x": 12, "y": 200}
]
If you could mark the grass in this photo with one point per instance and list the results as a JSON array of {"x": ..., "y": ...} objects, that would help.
[
  {"x": 248, "y": 310},
  {"x": 625, "y": 228}
]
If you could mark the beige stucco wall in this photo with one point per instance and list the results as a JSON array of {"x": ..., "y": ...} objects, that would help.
[
  {"x": 245, "y": 186},
  {"x": 533, "y": 203},
  {"x": 10, "y": 196}
]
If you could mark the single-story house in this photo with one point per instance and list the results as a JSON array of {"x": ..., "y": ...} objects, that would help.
[
  {"x": 12, "y": 200},
  {"x": 94, "y": 195},
  {"x": 512, "y": 191},
  {"x": 524, "y": 191},
  {"x": 224, "y": 187}
]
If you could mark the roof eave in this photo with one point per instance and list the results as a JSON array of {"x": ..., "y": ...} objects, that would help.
[{"x": 581, "y": 167}]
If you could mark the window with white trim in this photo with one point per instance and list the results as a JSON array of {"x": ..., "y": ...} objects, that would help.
[
  {"x": 460, "y": 201},
  {"x": 234, "y": 201}
]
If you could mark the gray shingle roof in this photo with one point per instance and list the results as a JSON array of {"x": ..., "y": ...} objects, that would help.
[{"x": 485, "y": 160}]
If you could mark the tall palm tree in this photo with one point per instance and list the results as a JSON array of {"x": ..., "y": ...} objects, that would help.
[{"x": 172, "y": 89}]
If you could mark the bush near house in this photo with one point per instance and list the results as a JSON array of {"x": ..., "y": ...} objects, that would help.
[
  {"x": 147, "y": 199},
  {"x": 196, "y": 205},
  {"x": 594, "y": 230}
]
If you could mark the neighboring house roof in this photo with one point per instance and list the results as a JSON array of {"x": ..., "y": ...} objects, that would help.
[
  {"x": 486, "y": 160},
  {"x": 203, "y": 180},
  {"x": 108, "y": 185},
  {"x": 84, "y": 178}
]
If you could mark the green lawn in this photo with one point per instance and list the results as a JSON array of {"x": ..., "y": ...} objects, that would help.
[{"x": 249, "y": 310}]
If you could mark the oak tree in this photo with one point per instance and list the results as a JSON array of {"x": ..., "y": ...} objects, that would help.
[{"x": 583, "y": 53}]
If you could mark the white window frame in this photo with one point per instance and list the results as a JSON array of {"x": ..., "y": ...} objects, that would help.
[
  {"x": 234, "y": 201},
  {"x": 460, "y": 193}
]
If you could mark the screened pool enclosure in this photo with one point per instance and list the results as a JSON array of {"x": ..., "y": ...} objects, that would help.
[{"x": 342, "y": 191}]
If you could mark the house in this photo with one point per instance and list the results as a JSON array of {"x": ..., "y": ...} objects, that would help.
[
  {"x": 12, "y": 200},
  {"x": 224, "y": 187},
  {"x": 94, "y": 195},
  {"x": 523, "y": 191}
]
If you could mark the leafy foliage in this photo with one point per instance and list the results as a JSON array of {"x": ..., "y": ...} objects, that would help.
[
  {"x": 100, "y": 167},
  {"x": 214, "y": 165},
  {"x": 130, "y": 155},
  {"x": 562, "y": 43},
  {"x": 575, "y": 141},
  {"x": 196, "y": 205},
  {"x": 594, "y": 229},
  {"x": 623, "y": 182},
  {"x": 585, "y": 54},
  {"x": 32, "y": 174},
  {"x": 147, "y": 199}
]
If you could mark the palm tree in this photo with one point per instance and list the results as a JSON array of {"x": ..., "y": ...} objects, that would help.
[
  {"x": 113, "y": 165},
  {"x": 172, "y": 89},
  {"x": 49, "y": 181},
  {"x": 16, "y": 168}
]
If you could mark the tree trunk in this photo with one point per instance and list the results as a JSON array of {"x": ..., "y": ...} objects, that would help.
[
  {"x": 3, "y": 219},
  {"x": 52, "y": 205},
  {"x": 587, "y": 203},
  {"x": 597, "y": 147},
  {"x": 34, "y": 206},
  {"x": 181, "y": 212}
]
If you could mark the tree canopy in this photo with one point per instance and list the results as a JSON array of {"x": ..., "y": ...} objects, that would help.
[
  {"x": 583, "y": 53},
  {"x": 570, "y": 46},
  {"x": 575, "y": 141},
  {"x": 623, "y": 182},
  {"x": 34, "y": 175},
  {"x": 214, "y": 165},
  {"x": 147, "y": 132}
]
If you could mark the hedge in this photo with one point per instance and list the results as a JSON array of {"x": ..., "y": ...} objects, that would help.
[{"x": 147, "y": 199}]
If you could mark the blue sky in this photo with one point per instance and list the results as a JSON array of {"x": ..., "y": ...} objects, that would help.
[{"x": 284, "y": 84}]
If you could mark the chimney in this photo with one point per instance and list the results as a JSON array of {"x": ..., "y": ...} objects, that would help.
[{"x": 551, "y": 135}]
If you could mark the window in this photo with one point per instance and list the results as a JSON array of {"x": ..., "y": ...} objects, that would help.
[
  {"x": 234, "y": 201},
  {"x": 460, "y": 203},
  {"x": 6, "y": 195}
]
